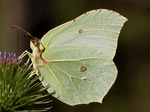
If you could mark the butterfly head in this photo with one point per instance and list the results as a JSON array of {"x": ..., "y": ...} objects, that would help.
[{"x": 36, "y": 43}]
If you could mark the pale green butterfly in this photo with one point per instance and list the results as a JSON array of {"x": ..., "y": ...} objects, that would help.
[{"x": 76, "y": 58}]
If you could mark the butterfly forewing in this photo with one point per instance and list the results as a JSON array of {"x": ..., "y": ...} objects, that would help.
[{"x": 98, "y": 29}]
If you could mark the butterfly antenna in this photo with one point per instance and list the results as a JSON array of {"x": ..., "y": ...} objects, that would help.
[
  {"x": 27, "y": 33},
  {"x": 22, "y": 30}
]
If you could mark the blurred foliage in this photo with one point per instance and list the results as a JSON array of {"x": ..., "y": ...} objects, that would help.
[{"x": 131, "y": 92}]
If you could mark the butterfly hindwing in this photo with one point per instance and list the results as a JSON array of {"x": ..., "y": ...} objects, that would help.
[{"x": 83, "y": 75}]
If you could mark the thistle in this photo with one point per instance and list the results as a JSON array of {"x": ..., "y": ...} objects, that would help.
[{"x": 20, "y": 87}]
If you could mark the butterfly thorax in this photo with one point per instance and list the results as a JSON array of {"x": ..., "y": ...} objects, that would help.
[{"x": 37, "y": 50}]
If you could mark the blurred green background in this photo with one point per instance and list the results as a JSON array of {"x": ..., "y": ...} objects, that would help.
[{"x": 131, "y": 91}]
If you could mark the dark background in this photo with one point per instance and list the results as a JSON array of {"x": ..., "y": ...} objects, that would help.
[{"x": 131, "y": 91}]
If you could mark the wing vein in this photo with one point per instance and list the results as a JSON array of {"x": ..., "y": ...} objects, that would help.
[
  {"x": 75, "y": 77},
  {"x": 77, "y": 99},
  {"x": 55, "y": 76},
  {"x": 66, "y": 36}
]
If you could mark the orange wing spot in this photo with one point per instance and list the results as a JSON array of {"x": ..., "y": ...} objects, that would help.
[
  {"x": 83, "y": 68},
  {"x": 80, "y": 31}
]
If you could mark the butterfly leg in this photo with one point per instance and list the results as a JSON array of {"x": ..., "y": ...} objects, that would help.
[{"x": 26, "y": 53}]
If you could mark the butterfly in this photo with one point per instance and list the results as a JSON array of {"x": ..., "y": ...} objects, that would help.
[{"x": 76, "y": 58}]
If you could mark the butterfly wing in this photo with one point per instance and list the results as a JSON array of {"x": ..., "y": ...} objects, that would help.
[
  {"x": 80, "y": 55},
  {"x": 98, "y": 29},
  {"x": 77, "y": 74}
]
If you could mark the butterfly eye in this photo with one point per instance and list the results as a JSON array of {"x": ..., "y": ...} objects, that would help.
[{"x": 35, "y": 41}]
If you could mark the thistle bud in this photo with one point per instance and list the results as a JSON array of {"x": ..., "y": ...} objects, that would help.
[{"x": 20, "y": 87}]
